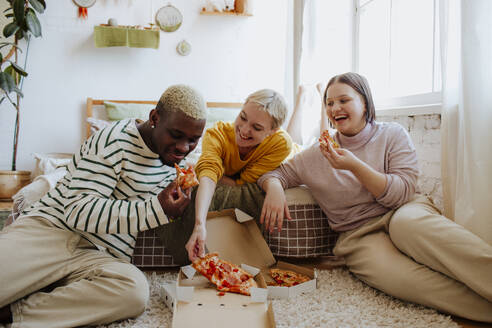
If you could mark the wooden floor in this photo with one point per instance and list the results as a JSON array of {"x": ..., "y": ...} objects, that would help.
[{"x": 330, "y": 263}]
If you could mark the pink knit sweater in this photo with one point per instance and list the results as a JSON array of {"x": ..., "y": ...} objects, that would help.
[{"x": 386, "y": 147}]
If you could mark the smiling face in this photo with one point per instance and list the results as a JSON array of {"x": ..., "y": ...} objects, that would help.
[
  {"x": 345, "y": 108},
  {"x": 252, "y": 126},
  {"x": 175, "y": 136}
]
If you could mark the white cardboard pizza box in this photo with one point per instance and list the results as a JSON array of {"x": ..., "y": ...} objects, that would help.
[{"x": 236, "y": 237}]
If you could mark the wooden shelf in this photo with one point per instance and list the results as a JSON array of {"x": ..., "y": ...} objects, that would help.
[{"x": 224, "y": 13}]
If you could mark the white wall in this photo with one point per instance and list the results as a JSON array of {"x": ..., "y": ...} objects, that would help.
[{"x": 231, "y": 57}]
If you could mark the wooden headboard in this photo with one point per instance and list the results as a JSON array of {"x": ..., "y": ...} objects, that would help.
[{"x": 99, "y": 102}]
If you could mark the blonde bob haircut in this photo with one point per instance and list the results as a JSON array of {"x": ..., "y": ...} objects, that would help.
[{"x": 271, "y": 102}]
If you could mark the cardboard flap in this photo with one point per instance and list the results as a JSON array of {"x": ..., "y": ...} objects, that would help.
[
  {"x": 185, "y": 294},
  {"x": 241, "y": 216},
  {"x": 258, "y": 294},
  {"x": 188, "y": 271},
  {"x": 252, "y": 270},
  {"x": 168, "y": 294},
  {"x": 237, "y": 242}
]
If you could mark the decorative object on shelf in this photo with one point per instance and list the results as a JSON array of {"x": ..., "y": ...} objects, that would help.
[
  {"x": 214, "y": 5},
  {"x": 168, "y": 18},
  {"x": 126, "y": 36},
  {"x": 227, "y": 7},
  {"x": 183, "y": 48},
  {"x": 112, "y": 22},
  {"x": 83, "y": 5}
]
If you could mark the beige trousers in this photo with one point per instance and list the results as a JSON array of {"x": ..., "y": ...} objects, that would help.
[
  {"x": 54, "y": 278},
  {"x": 416, "y": 254}
]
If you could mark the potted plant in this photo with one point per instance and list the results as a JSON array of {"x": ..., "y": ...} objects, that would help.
[{"x": 22, "y": 23}]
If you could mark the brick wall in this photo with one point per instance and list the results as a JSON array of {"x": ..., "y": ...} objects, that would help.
[{"x": 426, "y": 135}]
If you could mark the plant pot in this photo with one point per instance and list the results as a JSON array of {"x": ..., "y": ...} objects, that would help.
[{"x": 11, "y": 182}]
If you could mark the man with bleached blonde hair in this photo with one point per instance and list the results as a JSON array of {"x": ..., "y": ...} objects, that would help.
[{"x": 73, "y": 247}]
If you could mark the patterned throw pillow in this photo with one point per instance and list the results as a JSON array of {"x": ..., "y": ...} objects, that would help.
[{"x": 308, "y": 234}]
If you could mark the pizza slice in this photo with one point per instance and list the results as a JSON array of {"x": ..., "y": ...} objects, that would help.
[
  {"x": 227, "y": 277},
  {"x": 186, "y": 178},
  {"x": 325, "y": 138},
  {"x": 286, "y": 278}
]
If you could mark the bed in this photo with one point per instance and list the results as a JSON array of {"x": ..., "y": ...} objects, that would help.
[{"x": 306, "y": 236}]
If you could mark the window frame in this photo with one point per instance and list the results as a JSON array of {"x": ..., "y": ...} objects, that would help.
[{"x": 423, "y": 103}]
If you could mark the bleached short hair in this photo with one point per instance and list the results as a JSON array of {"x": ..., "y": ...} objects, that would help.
[
  {"x": 271, "y": 102},
  {"x": 183, "y": 98}
]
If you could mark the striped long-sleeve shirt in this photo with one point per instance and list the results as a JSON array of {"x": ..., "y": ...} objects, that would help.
[{"x": 110, "y": 191}]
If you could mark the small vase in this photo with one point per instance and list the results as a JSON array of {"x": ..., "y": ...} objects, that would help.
[{"x": 11, "y": 182}]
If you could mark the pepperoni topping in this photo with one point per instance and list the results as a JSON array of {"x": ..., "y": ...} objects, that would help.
[
  {"x": 221, "y": 293},
  {"x": 235, "y": 270},
  {"x": 226, "y": 284},
  {"x": 244, "y": 277},
  {"x": 226, "y": 267}
]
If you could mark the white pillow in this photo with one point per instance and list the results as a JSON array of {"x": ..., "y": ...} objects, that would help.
[
  {"x": 48, "y": 163},
  {"x": 97, "y": 124}
]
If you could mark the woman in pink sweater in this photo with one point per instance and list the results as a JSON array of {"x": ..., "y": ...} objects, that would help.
[{"x": 390, "y": 237}]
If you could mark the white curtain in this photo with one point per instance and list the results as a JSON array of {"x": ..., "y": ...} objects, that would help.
[
  {"x": 466, "y": 130},
  {"x": 325, "y": 30}
]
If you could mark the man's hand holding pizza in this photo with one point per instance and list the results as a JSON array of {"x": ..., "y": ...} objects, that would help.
[{"x": 174, "y": 200}]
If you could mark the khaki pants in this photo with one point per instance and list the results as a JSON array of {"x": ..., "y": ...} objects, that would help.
[
  {"x": 415, "y": 254},
  {"x": 54, "y": 278}
]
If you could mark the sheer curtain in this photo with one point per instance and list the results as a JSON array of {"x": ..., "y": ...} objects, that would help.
[
  {"x": 466, "y": 130},
  {"x": 324, "y": 49}
]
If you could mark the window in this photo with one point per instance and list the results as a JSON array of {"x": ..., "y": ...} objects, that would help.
[{"x": 396, "y": 48}]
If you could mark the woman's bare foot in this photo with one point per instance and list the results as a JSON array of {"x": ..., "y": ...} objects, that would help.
[
  {"x": 324, "y": 123},
  {"x": 295, "y": 123}
]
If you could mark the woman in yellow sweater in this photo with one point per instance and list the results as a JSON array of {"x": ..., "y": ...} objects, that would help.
[{"x": 233, "y": 154}]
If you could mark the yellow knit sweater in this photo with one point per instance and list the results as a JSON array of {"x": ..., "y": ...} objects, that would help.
[{"x": 220, "y": 155}]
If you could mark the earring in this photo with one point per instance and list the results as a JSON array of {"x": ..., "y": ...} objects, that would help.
[{"x": 152, "y": 126}]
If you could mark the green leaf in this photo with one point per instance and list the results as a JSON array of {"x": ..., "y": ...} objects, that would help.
[
  {"x": 38, "y": 5},
  {"x": 10, "y": 29},
  {"x": 11, "y": 71},
  {"x": 19, "y": 11},
  {"x": 33, "y": 23},
  {"x": 18, "y": 69},
  {"x": 7, "y": 82},
  {"x": 1, "y": 57}
]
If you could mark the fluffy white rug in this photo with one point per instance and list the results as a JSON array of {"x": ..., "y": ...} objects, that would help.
[{"x": 340, "y": 301}]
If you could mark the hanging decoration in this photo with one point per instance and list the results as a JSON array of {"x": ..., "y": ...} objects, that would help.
[
  {"x": 83, "y": 5},
  {"x": 168, "y": 18}
]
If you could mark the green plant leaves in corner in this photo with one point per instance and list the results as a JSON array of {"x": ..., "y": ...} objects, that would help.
[
  {"x": 33, "y": 23},
  {"x": 19, "y": 11},
  {"x": 10, "y": 29},
  {"x": 38, "y": 5},
  {"x": 7, "y": 82}
]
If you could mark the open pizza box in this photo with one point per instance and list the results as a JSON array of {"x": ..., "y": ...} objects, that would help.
[{"x": 237, "y": 238}]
